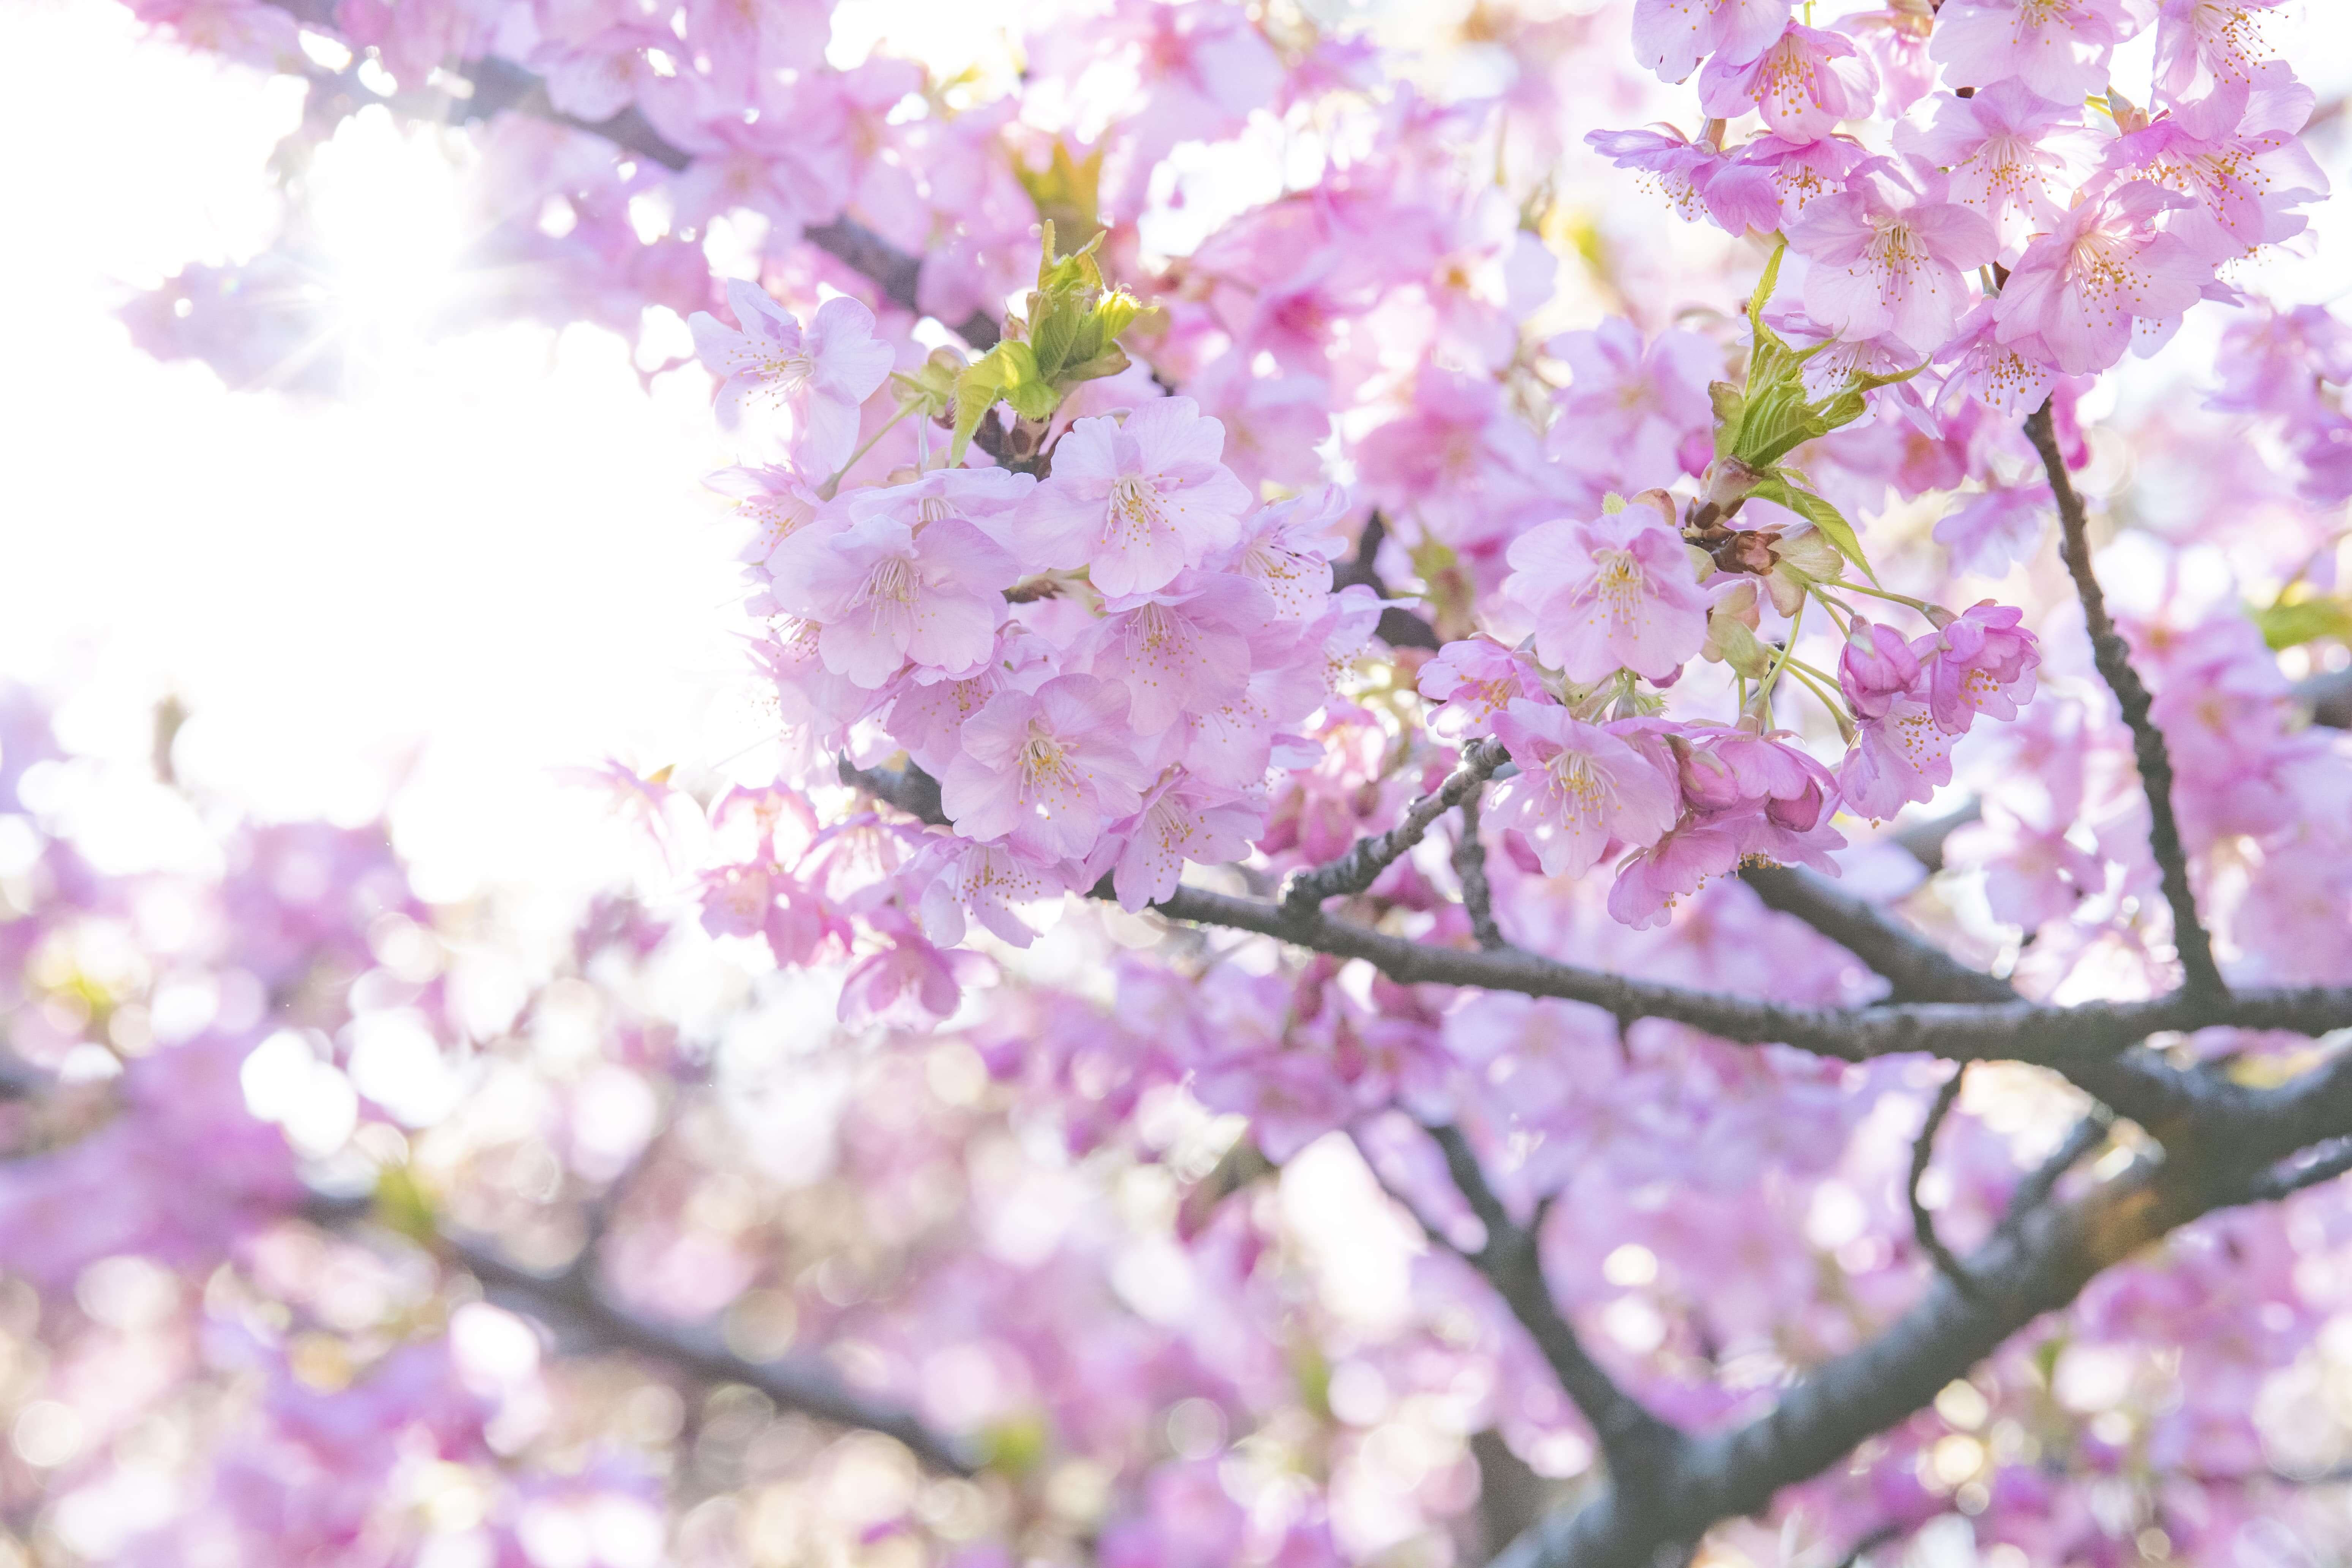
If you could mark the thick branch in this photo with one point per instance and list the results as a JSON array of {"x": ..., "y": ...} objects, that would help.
[
  {"x": 2162, "y": 1098},
  {"x": 2081, "y": 1041},
  {"x": 1637, "y": 1444},
  {"x": 573, "y": 1302},
  {"x": 2035, "y": 1264},
  {"x": 1919, "y": 969},
  {"x": 2054, "y": 1037},
  {"x": 1303, "y": 891},
  {"x": 2114, "y": 658}
]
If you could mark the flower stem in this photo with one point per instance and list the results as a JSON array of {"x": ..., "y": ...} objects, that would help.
[{"x": 827, "y": 490}]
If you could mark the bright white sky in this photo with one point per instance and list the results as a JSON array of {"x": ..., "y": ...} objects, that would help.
[{"x": 496, "y": 562}]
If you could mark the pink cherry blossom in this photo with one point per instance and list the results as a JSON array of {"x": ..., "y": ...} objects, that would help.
[
  {"x": 2079, "y": 292},
  {"x": 1672, "y": 36},
  {"x": 1049, "y": 770},
  {"x": 1187, "y": 649},
  {"x": 1982, "y": 662},
  {"x": 885, "y": 591},
  {"x": 1181, "y": 820},
  {"x": 2236, "y": 155},
  {"x": 1615, "y": 593},
  {"x": 1472, "y": 681},
  {"x": 2201, "y": 43},
  {"x": 1807, "y": 81},
  {"x": 1654, "y": 880},
  {"x": 1904, "y": 756},
  {"x": 821, "y": 375},
  {"x": 1578, "y": 790},
  {"x": 1136, "y": 502},
  {"x": 1802, "y": 172},
  {"x": 1695, "y": 178},
  {"x": 2009, "y": 380},
  {"x": 2058, "y": 49},
  {"x": 1875, "y": 667},
  {"x": 2012, "y": 156},
  {"x": 1886, "y": 263}
]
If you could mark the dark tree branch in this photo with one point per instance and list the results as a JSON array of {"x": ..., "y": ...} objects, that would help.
[
  {"x": 1918, "y": 969},
  {"x": 1923, "y": 1150},
  {"x": 2114, "y": 658},
  {"x": 2037, "y": 1264},
  {"x": 1470, "y": 867},
  {"x": 2080, "y": 1041},
  {"x": 1636, "y": 1443},
  {"x": 2062, "y": 1037},
  {"x": 574, "y": 1302},
  {"x": 1303, "y": 892}
]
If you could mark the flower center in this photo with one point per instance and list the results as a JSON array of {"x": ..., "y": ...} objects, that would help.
[
  {"x": 892, "y": 582},
  {"x": 1135, "y": 506}
]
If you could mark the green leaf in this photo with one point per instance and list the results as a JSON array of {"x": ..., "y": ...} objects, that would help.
[
  {"x": 1834, "y": 528},
  {"x": 1776, "y": 421},
  {"x": 1054, "y": 334},
  {"x": 1066, "y": 191},
  {"x": 1076, "y": 270},
  {"x": 1730, "y": 410},
  {"x": 2308, "y": 618}
]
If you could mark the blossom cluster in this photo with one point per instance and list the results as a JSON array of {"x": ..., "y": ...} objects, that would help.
[{"x": 1432, "y": 437}]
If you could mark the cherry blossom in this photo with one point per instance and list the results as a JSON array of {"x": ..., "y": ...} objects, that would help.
[
  {"x": 1803, "y": 85},
  {"x": 1135, "y": 502},
  {"x": 1888, "y": 264},
  {"x": 1579, "y": 789},
  {"x": 1615, "y": 593},
  {"x": 1048, "y": 769},
  {"x": 2058, "y": 49},
  {"x": 2081, "y": 291},
  {"x": 821, "y": 375}
]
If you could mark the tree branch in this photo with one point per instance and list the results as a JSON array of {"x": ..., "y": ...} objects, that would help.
[
  {"x": 573, "y": 1302},
  {"x": 1918, "y": 969},
  {"x": 2113, "y": 655},
  {"x": 1303, "y": 892},
  {"x": 2035, "y": 1265},
  {"x": 1636, "y": 1443},
  {"x": 2063, "y": 1037},
  {"x": 1923, "y": 1150},
  {"x": 1470, "y": 868}
]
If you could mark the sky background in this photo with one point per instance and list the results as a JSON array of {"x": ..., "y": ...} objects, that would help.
[{"x": 493, "y": 563}]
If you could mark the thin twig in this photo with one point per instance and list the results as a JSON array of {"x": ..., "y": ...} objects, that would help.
[
  {"x": 1923, "y": 1150},
  {"x": 1470, "y": 868},
  {"x": 2112, "y": 655},
  {"x": 2035, "y": 1191},
  {"x": 1303, "y": 892}
]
